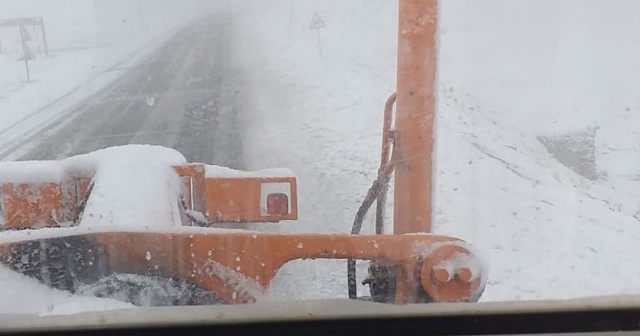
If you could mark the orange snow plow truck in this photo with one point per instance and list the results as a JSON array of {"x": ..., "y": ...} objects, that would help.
[{"x": 65, "y": 221}]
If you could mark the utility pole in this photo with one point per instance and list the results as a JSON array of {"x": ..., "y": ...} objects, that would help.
[
  {"x": 317, "y": 23},
  {"x": 44, "y": 37}
]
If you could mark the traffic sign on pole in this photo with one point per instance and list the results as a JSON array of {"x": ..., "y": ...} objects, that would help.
[
  {"x": 317, "y": 23},
  {"x": 25, "y": 50}
]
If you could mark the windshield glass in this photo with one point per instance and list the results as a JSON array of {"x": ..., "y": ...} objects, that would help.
[{"x": 199, "y": 152}]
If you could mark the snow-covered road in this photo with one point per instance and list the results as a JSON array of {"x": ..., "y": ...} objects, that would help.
[{"x": 181, "y": 97}]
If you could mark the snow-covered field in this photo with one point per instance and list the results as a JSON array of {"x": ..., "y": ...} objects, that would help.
[{"x": 509, "y": 72}]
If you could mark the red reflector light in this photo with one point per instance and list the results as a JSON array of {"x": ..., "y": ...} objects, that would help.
[{"x": 278, "y": 204}]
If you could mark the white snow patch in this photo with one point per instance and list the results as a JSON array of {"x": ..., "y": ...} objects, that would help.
[
  {"x": 20, "y": 294},
  {"x": 197, "y": 216},
  {"x": 134, "y": 186},
  {"x": 219, "y": 171},
  {"x": 22, "y": 235},
  {"x": 31, "y": 172}
]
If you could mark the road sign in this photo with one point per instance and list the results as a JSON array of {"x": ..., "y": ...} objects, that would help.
[{"x": 316, "y": 22}]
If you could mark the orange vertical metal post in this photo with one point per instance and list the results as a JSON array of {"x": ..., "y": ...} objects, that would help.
[{"x": 417, "y": 29}]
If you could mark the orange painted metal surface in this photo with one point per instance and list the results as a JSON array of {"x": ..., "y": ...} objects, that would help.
[
  {"x": 46, "y": 204},
  {"x": 239, "y": 267},
  {"x": 239, "y": 199},
  {"x": 222, "y": 200},
  {"x": 232, "y": 199},
  {"x": 445, "y": 281},
  {"x": 193, "y": 177},
  {"x": 31, "y": 205},
  {"x": 416, "y": 77}
]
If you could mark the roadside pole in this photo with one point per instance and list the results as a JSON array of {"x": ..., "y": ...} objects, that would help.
[
  {"x": 317, "y": 23},
  {"x": 44, "y": 37},
  {"x": 25, "y": 52}
]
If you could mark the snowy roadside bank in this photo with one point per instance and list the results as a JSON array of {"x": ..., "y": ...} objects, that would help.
[{"x": 316, "y": 108}]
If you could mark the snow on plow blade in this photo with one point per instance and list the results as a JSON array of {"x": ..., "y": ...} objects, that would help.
[
  {"x": 229, "y": 197},
  {"x": 132, "y": 211},
  {"x": 238, "y": 267}
]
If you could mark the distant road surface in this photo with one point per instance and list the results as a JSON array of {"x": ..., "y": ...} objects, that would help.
[{"x": 184, "y": 97}]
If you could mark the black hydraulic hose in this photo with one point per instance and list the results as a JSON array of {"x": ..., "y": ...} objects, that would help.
[
  {"x": 380, "y": 204},
  {"x": 377, "y": 189}
]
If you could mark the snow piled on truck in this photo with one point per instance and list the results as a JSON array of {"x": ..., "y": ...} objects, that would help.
[{"x": 134, "y": 187}]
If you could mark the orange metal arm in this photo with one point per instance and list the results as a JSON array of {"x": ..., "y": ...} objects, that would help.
[{"x": 239, "y": 266}]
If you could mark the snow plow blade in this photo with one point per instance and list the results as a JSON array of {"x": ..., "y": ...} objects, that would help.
[
  {"x": 238, "y": 267},
  {"x": 140, "y": 210},
  {"x": 231, "y": 197}
]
